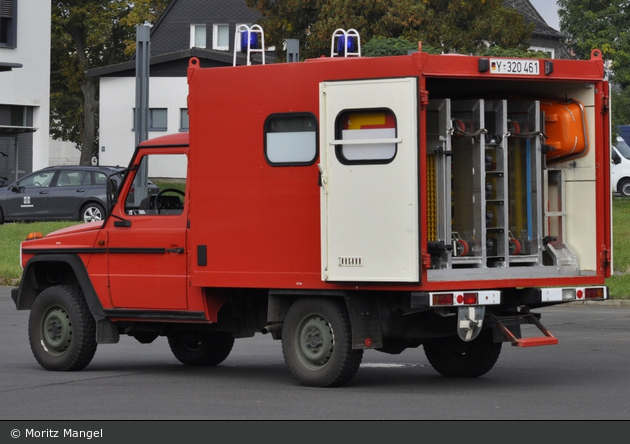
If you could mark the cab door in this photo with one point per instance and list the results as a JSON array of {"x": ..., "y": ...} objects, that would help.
[
  {"x": 147, "y": 257},
  {"x": 369, "y": 171}
]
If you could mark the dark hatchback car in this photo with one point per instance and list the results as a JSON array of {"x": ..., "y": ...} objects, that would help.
[{"x": 57, "y": 193}]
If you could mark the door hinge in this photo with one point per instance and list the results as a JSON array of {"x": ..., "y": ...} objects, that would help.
[{"x": 424, "y": 97}]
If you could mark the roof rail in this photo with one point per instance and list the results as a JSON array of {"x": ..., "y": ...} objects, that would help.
[
  {"x": 254, "y": 34},
  {"x": 348, "y": 43}
]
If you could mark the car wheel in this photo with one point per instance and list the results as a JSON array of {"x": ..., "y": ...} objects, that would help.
[
  {"x": 1, "y": 217},
  {"x": 624, "y": 188},
  {"x": 92, "y": 212}
]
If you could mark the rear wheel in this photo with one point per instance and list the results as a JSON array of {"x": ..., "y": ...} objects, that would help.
[
  {"x": 1, "y": 217},
  {"x": 317, "y": 343},
  {"x": 201, "y": 348},
  {"x": 61, "y": 329},
  {"x": 92, "y": 212},
  {"x": 456, "y": 358},
  {"x": 624, "y": 188}
]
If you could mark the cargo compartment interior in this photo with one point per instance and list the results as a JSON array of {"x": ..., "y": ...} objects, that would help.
[{"x": 510, "y": 178}]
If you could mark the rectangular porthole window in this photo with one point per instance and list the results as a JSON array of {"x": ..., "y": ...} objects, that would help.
[
  {"x": 366, "y": 136},
  {"x": 291, "y": 139}
]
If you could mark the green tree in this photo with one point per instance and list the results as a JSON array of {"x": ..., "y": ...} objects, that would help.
[
  {"x": 603, "y": 25},
  {"x": 461, "y": 26},
  {"x": 88, "y": 34}
]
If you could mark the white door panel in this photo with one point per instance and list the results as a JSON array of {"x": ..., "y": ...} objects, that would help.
[{"x": 370, "y": 228}]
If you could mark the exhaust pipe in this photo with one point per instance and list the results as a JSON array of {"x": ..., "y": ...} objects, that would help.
[{"x": 271, "y": 328}]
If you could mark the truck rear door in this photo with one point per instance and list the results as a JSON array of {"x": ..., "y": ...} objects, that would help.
[{"x": 369, "y": 170}]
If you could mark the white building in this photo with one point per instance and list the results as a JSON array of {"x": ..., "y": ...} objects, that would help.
[
  {"x": 24, "y": 86},
  {"x": 188, "y": 28}
]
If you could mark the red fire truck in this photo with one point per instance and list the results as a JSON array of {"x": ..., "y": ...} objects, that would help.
[{"x": 343, "y": 204}]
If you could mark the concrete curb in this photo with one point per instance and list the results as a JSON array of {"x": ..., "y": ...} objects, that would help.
[{"x": 610, "y": 303}]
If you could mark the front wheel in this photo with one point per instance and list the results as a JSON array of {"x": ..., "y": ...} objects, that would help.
[
  {"x": 317, "y": 343},
  {"x": 456, "y": 358},
  {"x": 61, "y": 329},
  {"x": 201, "y": 348}
]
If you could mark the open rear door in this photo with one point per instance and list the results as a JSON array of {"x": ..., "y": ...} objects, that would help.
[{"x": 369, "y": 172}]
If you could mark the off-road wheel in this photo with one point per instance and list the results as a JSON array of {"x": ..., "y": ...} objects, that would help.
[
  {"x": 317, "y": 343},
  {"x": 459, "y": 359},
  {"x": 61, "y": 329},
  {"x": 196, "y": 348}
]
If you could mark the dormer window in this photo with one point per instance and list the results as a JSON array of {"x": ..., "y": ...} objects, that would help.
[{"x": 197, "y": 36}]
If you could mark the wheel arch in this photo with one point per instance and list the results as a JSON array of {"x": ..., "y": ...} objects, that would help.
[
  {"x": 43, "y": 271},
  {"x": 363, "y": 311},
  {"x": 91, "y": 201}
]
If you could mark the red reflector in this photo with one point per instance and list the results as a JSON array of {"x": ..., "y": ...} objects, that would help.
[
  {"x": 470, "y": 298},
  {"x": 367, "y": 342},
  {"x": 460, "y": 299},
  {"x": 594, "y": 293},
  {"x": 443, "y": 299},
  {"x": 579, "y": 294}
]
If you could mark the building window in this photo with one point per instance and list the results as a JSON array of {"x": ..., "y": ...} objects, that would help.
[
  {"x": 221, "y": 37},
  {"x": 183, "y": 119},
  {"x": 291, "y": 139},
  {"x": 157, "y": 119},
  {"x": 549, "y": 51},
  {"x": 366, "y": 136},
  {"x": 18, "y": 115},
  {"x": 197, "y": 36},
  {"x": 8, "y": 23}
]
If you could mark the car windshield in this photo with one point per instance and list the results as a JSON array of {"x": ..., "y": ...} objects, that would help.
[{"x": 623, "y": 148}]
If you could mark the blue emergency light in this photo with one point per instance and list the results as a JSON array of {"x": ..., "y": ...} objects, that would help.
[
  {"x": 351, "y": 46},
  {"x": 253, "y": 40}
]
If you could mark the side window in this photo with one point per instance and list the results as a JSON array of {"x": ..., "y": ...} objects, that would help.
[
  {"x": 366, "y": 136},
  {"x": 41, "y": 179},
  {"x": 100, "y": 178},
  {"x": 70, "y": 178},
  {"x": 291, "y": 139},
  {"x": 159, "y": 186}
]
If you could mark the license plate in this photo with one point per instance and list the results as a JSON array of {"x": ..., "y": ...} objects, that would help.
[{"x": 515, "y": 66}]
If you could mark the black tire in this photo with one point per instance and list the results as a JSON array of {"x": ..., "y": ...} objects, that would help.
[
  {"x": 317, "y": 343},
  {"x": 624, "y": 188},
  {"x": 1, "y": 217},
  {"x": 92, "y": 212},
  {"x": 201, "y": 348},
  {"x": 459, "y": 359},
  {"x": 61, "y": 329}
]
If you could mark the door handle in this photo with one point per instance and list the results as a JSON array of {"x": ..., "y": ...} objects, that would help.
[{"x": 178, "y": 250}]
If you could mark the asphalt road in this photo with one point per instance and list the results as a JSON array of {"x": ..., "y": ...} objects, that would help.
[{"x": 585, "y": 377}]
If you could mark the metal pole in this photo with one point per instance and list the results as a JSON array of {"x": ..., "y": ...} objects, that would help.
[{"x": 143, "y": 56}]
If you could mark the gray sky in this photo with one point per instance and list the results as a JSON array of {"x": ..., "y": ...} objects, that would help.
[{"x": 549, "y": 11}]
